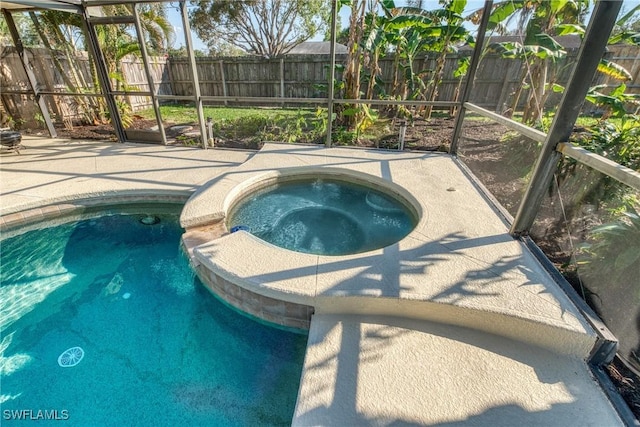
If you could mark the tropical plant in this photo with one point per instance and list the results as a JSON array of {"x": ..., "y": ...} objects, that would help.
[
  {"x": 399, "y": 31},
  {"x": 536, "y": 59},
  {"x": 539, "y": 20},
  {"x": 618, "y": 140},
  {"x": 627, "y": 28},
  {"x": 64, "y": 32},
  {"x": 613, "y": 250},
  {"x": 409, "y": 31},
  {"x": 615, "y": 103},
  {"x": 447, "y": 33},
  {"x": 352, "y": 70}
]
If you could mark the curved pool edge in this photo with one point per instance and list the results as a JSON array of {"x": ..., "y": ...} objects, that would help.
[
  {"x": 458, "y": 266},
  {"x": 211, "y": 202},
  {"x": 55, "y": 208},
  {"x": 283, "y": 288}
]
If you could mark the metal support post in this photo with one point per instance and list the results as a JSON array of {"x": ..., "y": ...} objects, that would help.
[
  {"x": 194, "y": 72},
  {"x": 591, "y": 51},
  {"x": 103, "y": 75},
  {"x": 147, "y": 70},
  {"x": 332, "y": 72},
  {"x": 401, "y": 134},
  {"x": 17, "y": 41},
  {"x": 210, "y": 139},
  {"x": 471, "y": 75}
]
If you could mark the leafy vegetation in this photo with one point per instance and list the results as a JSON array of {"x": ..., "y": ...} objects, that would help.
[
  {"x": 65, "y": 33},
  {"x": 255, "y": 124},
  {"x": 612, "y": 253},
  {"x": 617, "y": 140}
]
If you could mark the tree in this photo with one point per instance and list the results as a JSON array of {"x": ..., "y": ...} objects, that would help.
[
  {"x": 261, "y": 27},
  {"x": 223, "y": 48},
  {"x": 182, "y": 52}
]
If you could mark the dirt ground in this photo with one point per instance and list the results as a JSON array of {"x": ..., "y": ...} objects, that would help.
[
  {"x": 499, "y": 168},
  {"x": 432, "y": 135}
]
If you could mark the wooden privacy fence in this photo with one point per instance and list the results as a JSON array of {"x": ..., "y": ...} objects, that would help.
[
  {"x": 305, "y": 76},
  {"x": 291, "y": 76}
]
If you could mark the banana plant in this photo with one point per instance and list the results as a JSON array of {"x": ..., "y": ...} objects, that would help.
[
  {"x": 615, "y": 102},
  {"x": 411, "y": 31},
  {"x": 444, "y": 37},
  {"x": 540, "y": 20},
  {"x": 545, "y": 51},
  {"x": 399, "y": 30}
]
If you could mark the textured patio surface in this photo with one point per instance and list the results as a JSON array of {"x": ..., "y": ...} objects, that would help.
[
  {"x": 57, "y": 170},
  {"x": 457, "y": 324}
]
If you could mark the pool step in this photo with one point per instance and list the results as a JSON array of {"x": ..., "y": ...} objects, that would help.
[{"x": 375, "y": 370}]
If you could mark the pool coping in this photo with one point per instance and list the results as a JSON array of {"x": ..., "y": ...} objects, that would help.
[{"x": 511, "y": 295}]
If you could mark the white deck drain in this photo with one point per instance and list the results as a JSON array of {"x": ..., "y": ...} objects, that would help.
[{"x": 70, "y": 357}]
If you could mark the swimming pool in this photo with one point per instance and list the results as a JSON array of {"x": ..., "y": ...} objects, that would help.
[{"x": 158, "y": 348}]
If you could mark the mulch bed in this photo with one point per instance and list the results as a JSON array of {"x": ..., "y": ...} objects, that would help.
[{"x": 431, "y": 135}]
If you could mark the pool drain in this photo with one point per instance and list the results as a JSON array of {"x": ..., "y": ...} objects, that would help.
[
  {"x": 70, "y": 357},
  {"x": 150, "y": 220}
]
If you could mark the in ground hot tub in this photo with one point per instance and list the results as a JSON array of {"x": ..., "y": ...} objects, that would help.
[
  {"x": 326, "y": 215},
  {"x": 240, "y": 234}
]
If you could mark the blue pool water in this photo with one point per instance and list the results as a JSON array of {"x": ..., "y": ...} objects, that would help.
[
  {"x": 323, "y": 217},
  {"x": 159, "y": 349}
]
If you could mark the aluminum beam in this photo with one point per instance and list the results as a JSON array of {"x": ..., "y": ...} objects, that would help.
[
  {"x": 194, "y": 72},
  {"x": 471, "y": 75},
  {"x": 103, "y": 75},
  {"x": 608, "y": 167},
  {"x": 591, "y": 51},
  {"x": 147, "y": 70},
  {"x": 332, "y": 72}
]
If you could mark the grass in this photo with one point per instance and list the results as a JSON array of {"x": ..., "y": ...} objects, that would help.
[
  {"x": 252, "y": 125},
  {"x": 186, "y": 114}
]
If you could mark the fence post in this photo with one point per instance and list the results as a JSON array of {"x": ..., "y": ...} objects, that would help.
[
  {"x": 401, "y": 134},
  {"x": 224, "y": 81},
  {"x": 282, "y": 80}
]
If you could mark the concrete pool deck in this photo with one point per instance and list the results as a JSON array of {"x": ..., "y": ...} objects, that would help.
[{"x": 457, "y": 324}]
